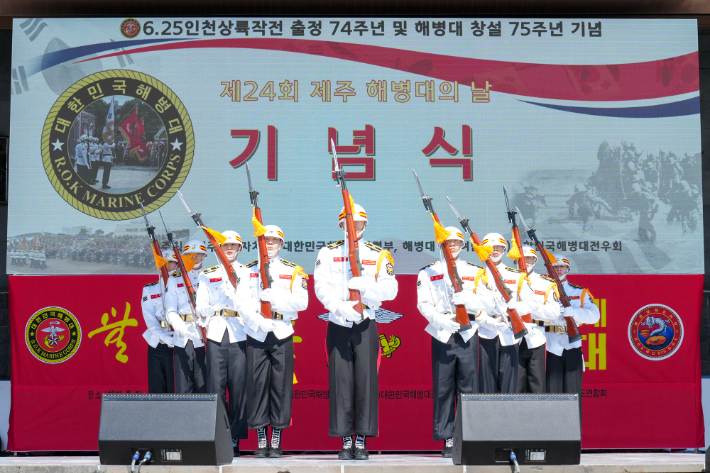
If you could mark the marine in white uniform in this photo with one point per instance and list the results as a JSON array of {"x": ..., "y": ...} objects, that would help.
[
  {"x": 222, "y": 308},
  {"x": 454, "y": 352},
  {"x": 565, "y": 362},
  {"x": 498, "y": 370},
  {"x": 95, "y": 157},
  {"x": 82, "y": 159},
  {"x": 352, "y": 340},
  {"x": 270, "y": 344},
  {"x": 161, "y": 376},
  {"x": 106, "y": 152},
  {"x": 189, "y": 350},
  {"x": 531, "y": 357}
]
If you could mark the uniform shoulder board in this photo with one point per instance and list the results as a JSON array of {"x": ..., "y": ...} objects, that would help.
[
  {"x": 513, "y": 270},
  {"x": 574, "y": 285},
  {"x": 336, "y": 244},
  {"x": 547, "y": 278},
  {"x": 253, "y": 263},
  {"x": 288, "y": 263},
  {"x": 177, "y": 274},
  {"x": 211, "y": 269},
  {"x": 150, "y": 284},
  {"x": 474, "y": 265},
  {"x": 372, "y": 246},
  {"x": 425, "y": 267}
]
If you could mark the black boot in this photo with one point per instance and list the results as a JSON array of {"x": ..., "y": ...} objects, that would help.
[
  {"x": 347, "y": 452},
  {"x": 263, "y": 447},
  {"x": 235, "y": 447},
  {"x": 448, "y": 447},
  {"x": 360, "y": 450},
  {"x": 275, "y": 450}
]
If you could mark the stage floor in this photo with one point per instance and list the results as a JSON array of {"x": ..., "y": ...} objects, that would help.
[{"x": 395, "y": 463}]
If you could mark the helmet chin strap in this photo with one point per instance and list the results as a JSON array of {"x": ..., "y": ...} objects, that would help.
[{"x": 456, "y": 254}]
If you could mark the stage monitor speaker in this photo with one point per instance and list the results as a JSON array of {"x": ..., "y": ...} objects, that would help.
[
  {"x": 541, "y": 429},
  {"x": 177, "y": 429}
]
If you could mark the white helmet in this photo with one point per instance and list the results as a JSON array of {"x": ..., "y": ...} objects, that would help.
[
  {"x": 560, "y": 260},
  {"x": 530, "y": 251},
  {"x": 274, "y": 231},
  {"x": 232, "y": 237},
  {"x": 455, "y": 234},
  {"x": 83, "y": 137},
  {"x": 195, "y": 246},
  {"x": 494, "y": 239},
  {"x": 359, "y": 214},
  {"x": 169, "y": 256}
]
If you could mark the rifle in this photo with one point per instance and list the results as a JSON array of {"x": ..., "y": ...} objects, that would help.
[
  {"x": 572, "y": 328},
  {"x": 192, "y": 295},
  {"x": 353, "y": 249},
  {"x": 156, "y": 249},
  {"x": 221, "y": 257},
  {"x": 462, "y": 317},
  {"x": 266, "y": 279},
  {"x": 522, "y": 264},
  {"x": 519, "y": 330}
]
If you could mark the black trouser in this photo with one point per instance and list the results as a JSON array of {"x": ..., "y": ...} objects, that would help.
[
  {"x": 84, "y": 173},
  {"x": 454, "y": 369},
  {"x": 94, "y": 170},
  {"x": 227, "y": 370},
  {"x": 564, "y": 373},
  {"x": 531, "y": 368},
  {"x": 161, "y": 376},
  {"x": 352, "y": 369},
  {"x": 189, "y": 369},
  {"x": 107, "y": 172},
  {"x": 269, "y": 382},
  {"x": 499, "y": 367}
]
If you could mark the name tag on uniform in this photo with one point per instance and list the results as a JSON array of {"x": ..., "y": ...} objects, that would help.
[
  {"x": 469, "y": 278},
  {"x": 215, "y": 279},
  {"x": 155, "y": 296},
  {"x": 340, "y": 259},
  {"x": 369, "y": 261},
  {"x": 509, "y": 281},
  {"x": 436, "y": 278},
  {"x": 181, "y": 285},
  {"x": 284, "y": 276},
  {"x": 253, "y": 275},
  {"x": 540, "y": 293},
  {"x": 574, "y": 297}
]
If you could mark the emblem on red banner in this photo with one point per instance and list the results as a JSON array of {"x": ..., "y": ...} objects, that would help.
[
  {"x": 656, "y": 332},
  {"x": 53, "y": 335}
]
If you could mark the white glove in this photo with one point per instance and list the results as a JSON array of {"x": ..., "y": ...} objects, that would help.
[
  {"x": 445, "y": 322},
  {"x": 361, "y": 284},
  {"x": 513, "y": 304},
  {"x": 216, "y": 307},
  {"x": 267, "y": 295},
  {"x": 569, "y": 311},
  {"x": 462, "y": 298},
  {"x": 345, "y": 309},
  {"x": 166, "y": 337},
  {"x": 190, "y": 331},
  {"x": 266, "y": 325}
]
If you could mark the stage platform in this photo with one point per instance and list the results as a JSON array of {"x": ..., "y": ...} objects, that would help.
[{"x": 384, "y": 463}]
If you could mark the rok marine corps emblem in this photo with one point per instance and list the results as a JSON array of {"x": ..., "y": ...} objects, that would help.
[
  {"x": 116, "y": 139},
  {"x": 655, "y": 332},
  {"x": 53, "y": 335}
]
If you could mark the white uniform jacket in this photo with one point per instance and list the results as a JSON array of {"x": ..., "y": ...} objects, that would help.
[
  {"x": 216, "y": 293},
  {"x": 492, "y": 325},
  {"x": 154, "y": 313},
  {"x": 291, "y": 295},
  {"x": 333, "y": 272},
  {"x": 106, "y": 152},
  {"x": 434, "y": 292},
  {"x": 95, "y": 153},
  {"x": 583, "y": 310},
  {"x": 177, "y": 303},
  {"x": 80, "y": 153},
  {"x": 548, "y": 308}
]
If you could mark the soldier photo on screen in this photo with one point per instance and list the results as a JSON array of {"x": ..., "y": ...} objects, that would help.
[
  {"x": 454, "y": 349},
  {"x": 161, "y": 375},
  {"x": 270, "y": 362},
  {"x": 223, "y": 308},
  {"x": 352, "y": 340}
]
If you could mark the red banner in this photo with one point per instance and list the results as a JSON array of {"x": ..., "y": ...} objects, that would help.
[{"x": 75, "y": 338}]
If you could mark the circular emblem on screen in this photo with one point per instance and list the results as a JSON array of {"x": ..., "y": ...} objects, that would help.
[
  {"x": 130, "y": 28},
  {"x": 53, "y": 335},
  {"x": 656, "y": 332},
  {"x": 116, "y": 139}
]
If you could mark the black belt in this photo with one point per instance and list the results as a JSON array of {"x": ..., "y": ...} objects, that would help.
[{"x": 539, "y": 323}]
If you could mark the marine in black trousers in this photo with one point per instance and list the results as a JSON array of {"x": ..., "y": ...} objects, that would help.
[
  {"x": 270, "y": 382},
  {"x": 189, "y": 369},
  {"x": 161, "y": 376},
  {"x": 352, "y": 366},
  {"x": 226, "y": 366},
  {"x": 498, "y": 371},
  {"x": 454, "y": 371},
  {"x": 564, "y": 373},
  {"x": 531, "y": 369}
]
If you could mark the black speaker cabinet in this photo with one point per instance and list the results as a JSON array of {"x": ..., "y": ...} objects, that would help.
[
  {"x": 541, "y": 429},
  {"x": 178, "y": 429}
]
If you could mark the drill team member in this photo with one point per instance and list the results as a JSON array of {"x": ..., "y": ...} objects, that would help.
[
  {"x": 270, "y": 345},
  {"x": 454, "y": 353},
  {"x": 82, "y": 160},
  {"x": 189, "y": 351},
  {"x": 106, "y": 162},
  {"x": 499, "y": 349},
  {"x": 95, "y": 156},
  {"x": 352, "y": 340},
  {"x": 161, "y": 376},
  {"x": 564, "y": 359},
  {"x": 531, "y": 357},
  {"x": 223, "y": 309}
]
